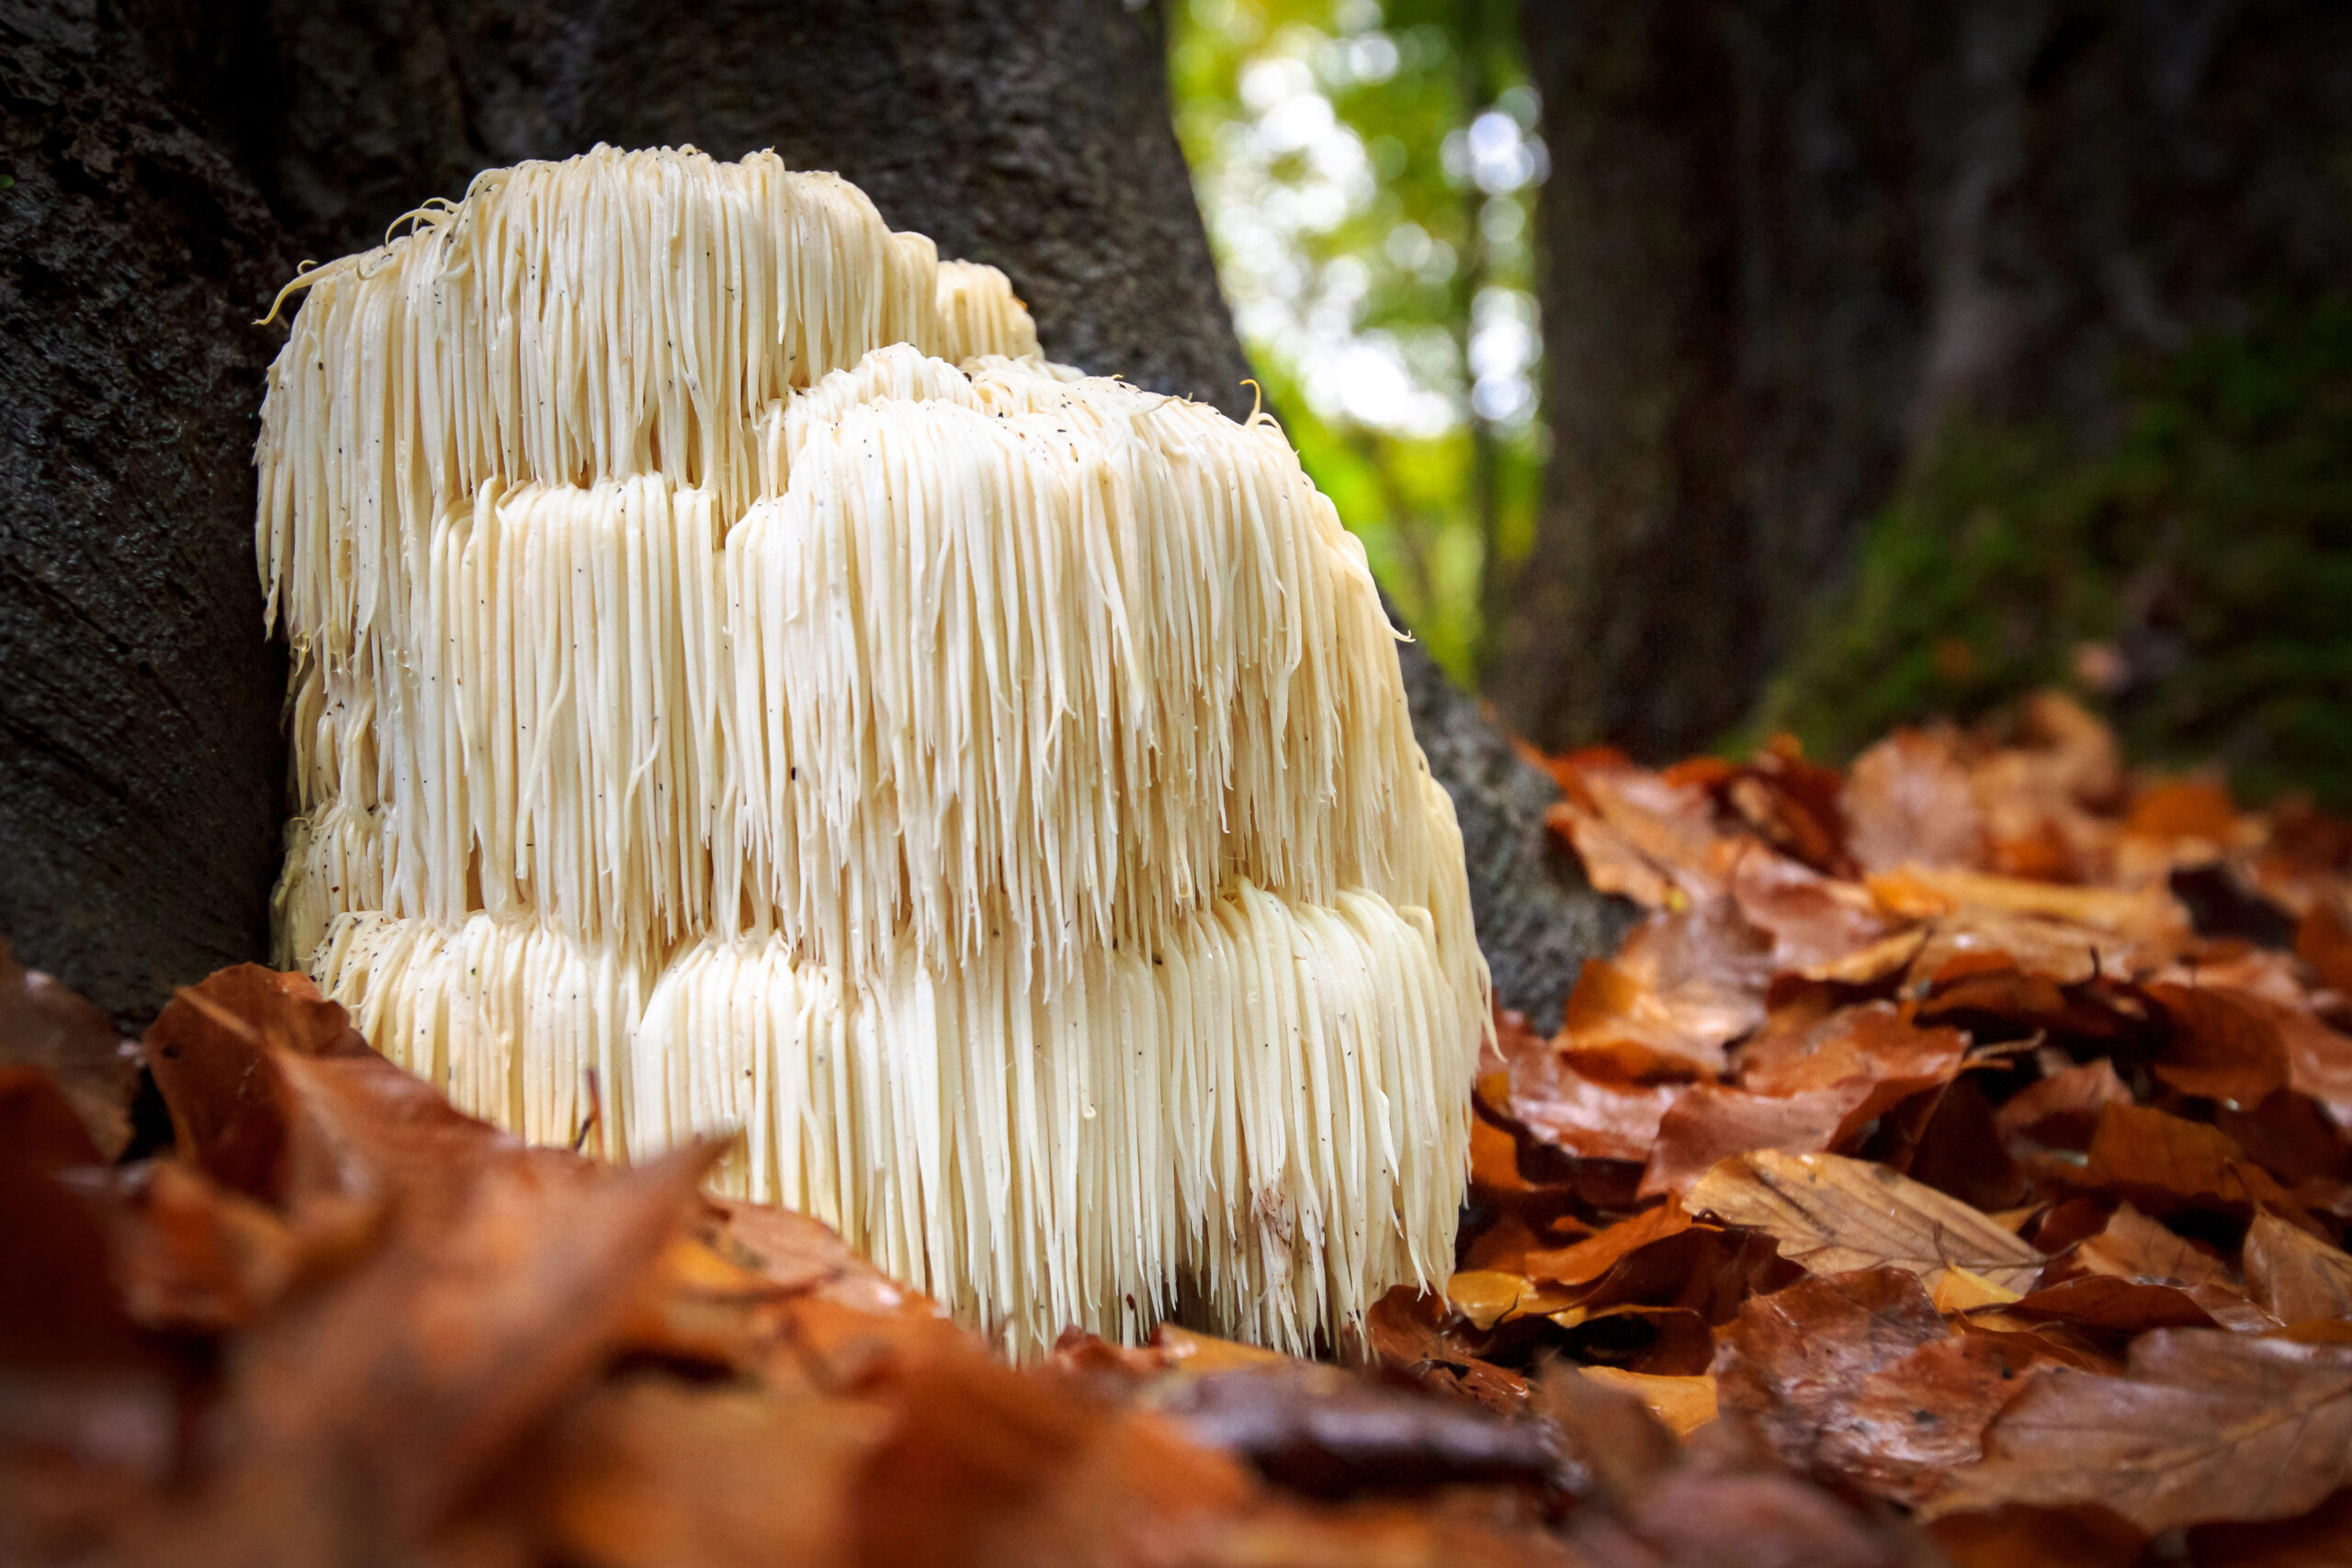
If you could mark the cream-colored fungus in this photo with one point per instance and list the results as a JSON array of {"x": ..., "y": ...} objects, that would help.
[{"x": 734, "y": 671}]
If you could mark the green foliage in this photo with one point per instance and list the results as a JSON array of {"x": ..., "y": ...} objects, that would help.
[
  {"x": 2195, "y": 579},
  {"x": 1377, "y": 246}
]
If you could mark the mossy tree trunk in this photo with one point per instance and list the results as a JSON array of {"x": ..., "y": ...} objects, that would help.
[{"x": 1786, "y": 239}]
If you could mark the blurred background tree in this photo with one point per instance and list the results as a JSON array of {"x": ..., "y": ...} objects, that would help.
[
  {"x": 1368, "y": 172},
  {"x": 1893, "y": 359}
]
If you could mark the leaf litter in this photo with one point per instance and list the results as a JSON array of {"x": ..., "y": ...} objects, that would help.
[{"x": 1951, "y": 1167}]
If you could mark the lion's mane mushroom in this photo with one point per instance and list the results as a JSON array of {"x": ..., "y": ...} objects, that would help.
[{"x": 734, "y": 671}]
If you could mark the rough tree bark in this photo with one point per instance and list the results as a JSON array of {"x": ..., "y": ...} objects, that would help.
[
  {"x": 1030, "y": 134},
  {"x": 140, "y": 759},
  {"x": 1787, "y": 239}
]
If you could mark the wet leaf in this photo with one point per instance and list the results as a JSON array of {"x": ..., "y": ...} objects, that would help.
[
  {"x": 1833, "y": 1214},
  {"x": 1794, "y": 1359}
]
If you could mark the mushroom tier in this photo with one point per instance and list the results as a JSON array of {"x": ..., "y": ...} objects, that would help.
[{"x": 989, "y": 788}]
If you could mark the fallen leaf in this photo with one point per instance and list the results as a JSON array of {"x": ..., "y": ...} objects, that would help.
[
  {"x": 1834, "y": 1214},
  {"x": 2225, "y": 1044},
  {"x": 1909, "y": 799},
  {"x": 1596, "y": 1254},
  {"x": 2182, "y": 808},
  {"x": 2062, "y": 1111},
  {"x": 1327, "y": 1433},
  {"x": 1813, "y": 920},
  {"x": 1909, "y": 1424},
  {"x": 2324, "y": 940},
  {"x": 2115, "y": 1305},
  {"x": 1793, "y": 1360},
  {"x": 2134, "y": 1247},
  {"x": 1487, "y": 1297},
  {"x": 2321, "y": 1538},
  {"x": 1405, "y": 1330},
  {"x": 2294, "y": 1275},
  {"x": 2149, "y": 914},
  {"x": 2204, "y": 1425},
  {"x": 2024, "y": 1537},
  {"x": 2162, "y": 1162},
  {"x": 1584, "y": 1115},
  {"x": 46, "y": 1028},
  {"x": 1684, "y": 1404}
]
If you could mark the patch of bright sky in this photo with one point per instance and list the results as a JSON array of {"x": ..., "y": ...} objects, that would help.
[{"x": 1288, "y": 173}]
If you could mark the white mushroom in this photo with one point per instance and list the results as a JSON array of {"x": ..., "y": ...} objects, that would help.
[{"x": 733, "y": 666}]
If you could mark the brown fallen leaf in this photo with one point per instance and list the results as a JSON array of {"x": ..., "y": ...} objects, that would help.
[
  {"x": 2225, "y": 1044},
  {"x": 2023, "y": 1536},
  {"x": 2321, "y": 1538},
  {"x": 2324, "y": 940},
  {"x": 1712, "y": 1123},
  {"x": 2134, "y": 1247},
  {"x": 1407, "y": 1330},
  {"x": 1794, "y": 1358},
  {"x": 1833, "y": 1214},
  {"x": 1911, "y": 1424},
  {"x": 46, "y": 1028},
  {"x": 2114, "y": 1305},
  {"x": 1871, "y": 1041},
  {"x": 1909, "y": 799},
  {"x": 1584, "y": 1115},
  {"x": 1328, "y": 1433},
  {"x": 2204, "y": 1425},
  {"x": 2295, "y": 1276},
  {"x": 2165, "y": 1163},
  {"x": 2062, "y": 1110},
  {"x": 1596, "y": 1254},
  {"x": 1813, "y": 920},
  {"x": 2149, "y": 914}
]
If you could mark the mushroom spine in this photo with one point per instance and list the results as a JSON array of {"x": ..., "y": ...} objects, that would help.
[{"x": 732, "y": 668}]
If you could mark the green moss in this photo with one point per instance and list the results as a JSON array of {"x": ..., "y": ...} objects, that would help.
[{"x": 2194, "y": 579}]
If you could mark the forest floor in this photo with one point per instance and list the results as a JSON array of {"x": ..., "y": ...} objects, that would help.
[{"x": 1951, "y": 1167}]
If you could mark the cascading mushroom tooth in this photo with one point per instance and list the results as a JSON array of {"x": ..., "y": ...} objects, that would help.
[{"x": 747, "y": 690}]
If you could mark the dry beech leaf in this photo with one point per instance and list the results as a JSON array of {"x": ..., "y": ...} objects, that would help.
[
  {"x": 2134, "y": 1247},
  {"x": 1596, "y": 1254},
  {"x": 2321, "y": 1538},
  {"x": 1833, "y": 1214},
  {"x": 46, "y": 1028},
  {"x": 2150, "y": 914},
  {"x": 1712, "y": 1123},
  {"x": 2062, "y": 1110},
  {"x": 2164, "y": 1162},
  {"x": 1909, "y": 799},
  {"x": 1584, "y": 1115},
  {"x": 2204, "y": 1425},
  {"x": 2226, "y": 1044},
  {"x": 2324, "y": 940},
  {"x": 1684, "y": 1404},
  {"x": 2297, "y": 1277}
]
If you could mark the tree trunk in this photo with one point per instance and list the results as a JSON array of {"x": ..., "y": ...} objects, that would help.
[
  {"x": 1786, "y": 239},
  {"x": 140, "y": 760},
  {"x": 1031, "y": 135}
]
